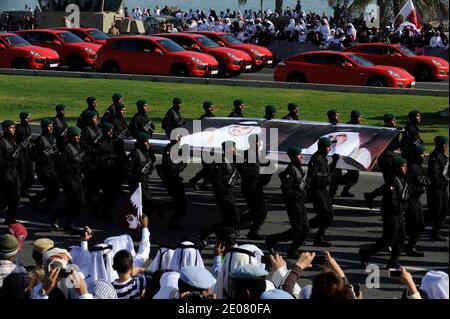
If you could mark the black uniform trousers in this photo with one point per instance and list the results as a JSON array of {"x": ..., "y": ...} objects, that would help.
[
  {"x": 72, "y": 185},
  {"x": 25, "y": 168},
  {"x": 438, "y": 206},
  {"x": 415, "y": 223},
  {"x": 9, "y": 191},
  {"x": 175, "y": 189},
  {"x": 227, "y": 210},
  {"x": 323, "y": 207},
  {"x": 49, "y": 180},
  {"x": 256, "y": 202}
]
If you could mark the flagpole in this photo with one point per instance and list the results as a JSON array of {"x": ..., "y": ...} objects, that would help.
[{"x": 140, "y": 202}]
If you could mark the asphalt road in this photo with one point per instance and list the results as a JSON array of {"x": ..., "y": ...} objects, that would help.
[
  {"x": 354, "y": 226},
  {"x": 266, "y": 74}
]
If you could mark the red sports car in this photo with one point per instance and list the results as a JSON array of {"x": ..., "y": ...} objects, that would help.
[
  {"x": 72, "y": 51},
  {"x": 424, "y": 68},
  {"x": 17, "y": 53},
  {"x": 89, "y": 34},
  {"x": 231, "y": 61},
  {"x": 153, "y": 55},
  {"x": 342, "y": 68},
  {"x": 261, "y": 55}
]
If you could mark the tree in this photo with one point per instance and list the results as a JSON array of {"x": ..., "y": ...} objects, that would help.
[{"x": 428, "y": 10}]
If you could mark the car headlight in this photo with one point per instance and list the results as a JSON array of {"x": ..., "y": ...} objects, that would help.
[
  {"x": 436, "y": 62},
  {"x": 89, "y": 50},
  {"x": 196, "y": 60},
  {"x": 35, "y": 53},
  {"x": 231, "y": 55},
  {"x": 394, "y": 74},
  {"x": 256, "y": 52}
]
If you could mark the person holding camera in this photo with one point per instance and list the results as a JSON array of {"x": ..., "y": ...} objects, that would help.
[{"x": 225, "y": 240}]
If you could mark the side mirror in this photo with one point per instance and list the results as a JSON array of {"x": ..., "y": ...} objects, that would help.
[
  {"x": 221, "y": 43},
  {"x": 57, "y": 42},
  {"x": 2, "y": 47},
  {"x": 196, "y": 47},
  {"x": 158, "y": 51},
  {"x": 348, "y": 65},
  {"x": 398, "y": 55},
  {"x": 86, "y": 39}
]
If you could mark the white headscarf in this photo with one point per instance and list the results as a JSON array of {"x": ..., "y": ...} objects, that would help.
[
  {"x": 183, "y": 257},
  {"x": 162, "y": 259},
  {"x": 232, "y": 260},
  {"x": 291, "y": 26},
  {"x": 435, "y": 283},
  {"x": 123, "y": 242},
  {"x": 102, "y": 265},
  {"x": 168, "y": 284}
]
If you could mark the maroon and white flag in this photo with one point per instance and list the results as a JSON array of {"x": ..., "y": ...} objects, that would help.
[
  {"x": 410, "y": 14},
  {"x": 132, "y": 213}
]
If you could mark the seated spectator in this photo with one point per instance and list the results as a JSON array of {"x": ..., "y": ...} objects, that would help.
[
  {"x": 36, "y": 273},
  {"x": 9, "y": 247},
  {"x": 435, "y": 283},
  {"x": 195, "y": 283},
  {"x": 131, "y": 282},
  {"x": 248, "y": 282},
  {"x": 186, "y": 254}
]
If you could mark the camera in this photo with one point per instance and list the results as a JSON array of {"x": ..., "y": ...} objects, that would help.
[
  {"x": 319, "y": 260},
  {"x": 62, "y": 265},
  {"x": 394, "y": 273}
]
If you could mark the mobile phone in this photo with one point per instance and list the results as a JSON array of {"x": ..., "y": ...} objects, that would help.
[
  {"x": 319, "y": 260},
  {"x": 356, "y": 289},
  {"x": 63, "y": 273},
  {"x": 394, "y": 273}
]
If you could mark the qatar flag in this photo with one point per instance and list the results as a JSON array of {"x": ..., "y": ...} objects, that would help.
[
  {"x": 409, "y": 13},
  {"x": 132, "y": 213}
]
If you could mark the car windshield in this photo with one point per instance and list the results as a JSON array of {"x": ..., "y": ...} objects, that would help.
[
  {"x": 231, "y": 39},
  {"x": 405, "y": 50},
  {"x": 360, "y": 60},
  {"x": 98, "y": 35},
  {"x": 171, "y": 46},
  {"x": 69, "y": 37},
  {"x": 15, "y": 41},
  {"x": 207, "y": 42}
]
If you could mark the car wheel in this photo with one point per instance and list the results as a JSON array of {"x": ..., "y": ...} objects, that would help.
[
  {"x": 297, "y": 78},
  {"x": 110, "y": 67},
  {"x": 180, "y": 71},
  {"x": 20, "y": 64},
  {"x": 377, "y": 82},
  {"x": 422, "y": 73},
  {"x": 76, "y": 63}
]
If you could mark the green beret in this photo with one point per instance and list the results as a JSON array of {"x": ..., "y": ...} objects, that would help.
[
  {"x": 9, "y": 246},
  {"x": 107, "y": 126},
  {"x": 355, "y": 114},
  {"x": 142, "y": 136},
  {"x": 398, "y": 161},
  {"x": 24, "y": 115},
  {"x": 177, "y": 100},
  {"x": 141, "y": 103},
  {"x": 91, "y": 114},
  {"x": 7, "y": 123},
  {"x": 46, "y": 122},
  {"x": 91, "y": 100},
  {"x": 119, "y": 107},
  {"x": 292, "y": 106},
  {"x": 60, "y": 107},
  {"x": 440, "y": 140},
  {"x": 238, "y": 103},
  {"x": 207, "y": 104},
  {"x": 74, "y": 130},
  {"x": 271, "y": 109},
  {"x": 418, "y": 149},
  {"x": 413, "y": 113},
  {"x": 331, "y": 113},
  {"x": 388, "y": 117},
  {"x": 294, "y": 151},
  {"x": 117, "y": 96},
  {"x": 325, "y": 141}
]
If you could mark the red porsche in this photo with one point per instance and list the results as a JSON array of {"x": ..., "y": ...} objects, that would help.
[
  {"x": 92, "y": 35},
  {"x": 341, "y": 68}
]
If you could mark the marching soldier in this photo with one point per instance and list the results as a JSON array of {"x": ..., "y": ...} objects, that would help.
[
  {"x": 141, "y": 164},
  {"x": 270, "y": 112},
  {"x": 91, "y": 133},
  {"x": 208, "y": 107},
  {"x": 173, "y": 118},
  {"x": 119, "y": 123},
  {"x": 141, "y": 123},
  {"x": 438, "y": 174},
  {"x": 223, "y": 177},
  {"x": 85, "y": 116},
  {"x": 44, "y": 152},
  {"x": 385, "y": 159},
  {"x": 252, "y": 187},
  {"x": 418, "y": 181},
  {"x": 25, "y": 166},
  {"x": 333, "y": 117},
  {"x": 110, "y": 112},
  {"x": 293, "y": 112},
  {"x": 336, "y": 176},
  {"x": 238, "y": 108},
  {"x": 170, "y": 175},
  {"x": 395, "y": 196},
  {"x": 293, "y": 187},
  {"x": 71, "y": 165},
  {"x": 60, "y": 125},
  {"x": 319, "y": 178},
  {"x": 9, "y": 177},
  {"x": 109, "y": 159},
  {"x": 411, "y": 135}
]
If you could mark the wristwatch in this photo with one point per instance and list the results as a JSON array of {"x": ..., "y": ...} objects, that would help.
[{"x": 42, "y": 292}]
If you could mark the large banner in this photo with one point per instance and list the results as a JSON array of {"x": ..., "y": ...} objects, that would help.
[{"x": 359, "y": 146}]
